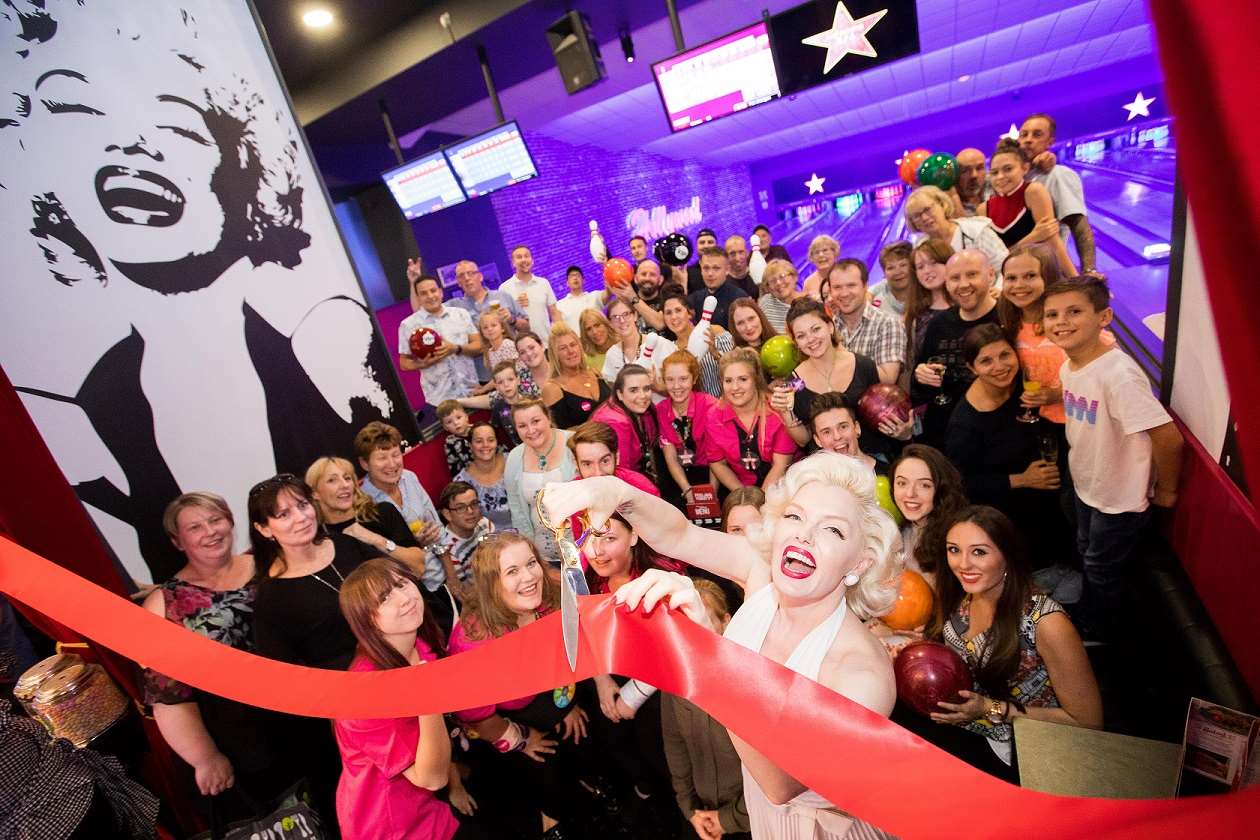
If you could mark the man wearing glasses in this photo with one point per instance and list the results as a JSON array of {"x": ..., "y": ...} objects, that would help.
[
  {"x": 466, "y": 527},
  {"x": 477, "y": 299}
]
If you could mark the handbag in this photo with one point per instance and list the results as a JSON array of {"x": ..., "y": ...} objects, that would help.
[{"x": 291, "y": 818}]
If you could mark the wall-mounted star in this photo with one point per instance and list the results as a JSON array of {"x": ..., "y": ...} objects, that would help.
[
  {"x": 815, "y": 183},
  {"x": 845, "y": 36},
  {"x": 1139, "y": 107},
  {"x": 1012, "y": 132}
]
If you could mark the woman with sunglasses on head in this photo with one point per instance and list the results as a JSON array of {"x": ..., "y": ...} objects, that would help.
[
  {"x": 297, "y": 618},
  {"x": 393, "y": 767},
  {"x": 530, "y": 745},
  {"x": 574, "y": 389}
]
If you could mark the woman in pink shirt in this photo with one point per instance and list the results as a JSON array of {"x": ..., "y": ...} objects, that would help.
[
  {"x": 527, "y": 737},
  {"x": 628, "y": 412},
  {"x": 684, "y": 421},
  {"x": 392, "y": 768},
  {"x": 746, "y": 443}
]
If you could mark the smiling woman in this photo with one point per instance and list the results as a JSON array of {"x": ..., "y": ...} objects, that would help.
[{"x": 820, "y": 560}]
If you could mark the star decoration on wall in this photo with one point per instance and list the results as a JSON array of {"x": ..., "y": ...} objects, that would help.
[
  {"x": 815, "y": 183},
  {"x": 1012, "y": 132},
  {"x": 1139, "y": 107},
  {"x": 845, "y": 36}
]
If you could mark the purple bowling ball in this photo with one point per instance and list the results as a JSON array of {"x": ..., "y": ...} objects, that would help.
[{"x": 927, "y": 672}]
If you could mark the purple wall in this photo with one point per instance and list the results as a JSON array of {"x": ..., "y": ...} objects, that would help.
[{"x": 551, "y": 214}]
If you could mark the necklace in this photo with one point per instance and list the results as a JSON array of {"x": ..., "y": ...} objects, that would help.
[
  {"x": 831, "y": 369},
  {"x": 340, "y": 578},
  {"x": 542, "y": 456}
]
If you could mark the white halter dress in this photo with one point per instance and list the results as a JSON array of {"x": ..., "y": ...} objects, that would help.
[{"x": 808, "y": 816}]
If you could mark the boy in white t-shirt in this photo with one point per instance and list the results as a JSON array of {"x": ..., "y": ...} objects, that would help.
[
  {"x": 1125, "y": 450},
  {"x": 578, "y": 300}
]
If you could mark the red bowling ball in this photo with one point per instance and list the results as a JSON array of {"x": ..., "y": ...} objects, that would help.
[
  {"x": 618, "y": 273},
  {"x": 928, "y": 672},
  {"x": 882, "y": 402},
  {"x": 424, "y": 342}
]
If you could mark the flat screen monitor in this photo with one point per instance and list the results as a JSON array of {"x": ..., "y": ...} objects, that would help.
[
  {"x": 424, "y": 185},
  {"x": 492, "y": 160},
  {"x": 825, "y": 40},
  {"x": 717, "y": 79}
]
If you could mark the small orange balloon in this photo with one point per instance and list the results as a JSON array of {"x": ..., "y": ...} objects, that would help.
[
  {"x": 913, "y": 606},
  {"x": 910, "y": 165},
  {"x": 617, "y": 273}
]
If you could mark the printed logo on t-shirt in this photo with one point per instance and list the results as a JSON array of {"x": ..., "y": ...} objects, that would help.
[
  {"x": 1080, "y": 408},
  {"x": 563, "y": 695}
]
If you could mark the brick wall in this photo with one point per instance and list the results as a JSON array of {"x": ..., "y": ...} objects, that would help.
[{"x": 551, "y": 213}]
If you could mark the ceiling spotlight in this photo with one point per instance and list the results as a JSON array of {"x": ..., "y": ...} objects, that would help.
[
  {"x": 318, "y": 18},
  {"x": 627, "y": 46},
  {"x": 964, "y": 77}
]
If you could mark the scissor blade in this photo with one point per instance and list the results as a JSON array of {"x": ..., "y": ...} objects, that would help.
[{"x": 569, "y": 612}]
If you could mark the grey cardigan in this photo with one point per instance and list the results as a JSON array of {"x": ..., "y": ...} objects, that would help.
[{"x": 513, "y": 479}]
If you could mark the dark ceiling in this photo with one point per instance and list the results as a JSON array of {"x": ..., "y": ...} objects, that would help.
[
  {"x": 304, "y": 57},
  {"x": 352, "y": 137}
]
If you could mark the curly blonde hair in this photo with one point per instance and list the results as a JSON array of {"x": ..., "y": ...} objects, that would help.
[{"x": 876, "y": 589}]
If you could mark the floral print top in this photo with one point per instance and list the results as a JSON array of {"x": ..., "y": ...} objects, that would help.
[{"x": 226, "y": 617}]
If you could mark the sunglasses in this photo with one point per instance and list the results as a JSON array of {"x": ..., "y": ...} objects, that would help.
[{"x": 275, "y": 482}]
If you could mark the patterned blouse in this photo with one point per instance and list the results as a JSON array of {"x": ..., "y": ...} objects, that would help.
[
  {"x": 1030, "y": 685},
  {"x": 226, "y": 617},
  {"x": 528, "y": 387}
]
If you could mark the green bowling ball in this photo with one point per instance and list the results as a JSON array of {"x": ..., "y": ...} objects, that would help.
[
  {"x": 780, "y": 357},
  {"x": 939, "y": 170},
  {"x": 883, "y": 495}
]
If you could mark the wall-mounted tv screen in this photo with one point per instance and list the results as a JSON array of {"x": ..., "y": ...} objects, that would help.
[
  {"x": 424, "y": 185},
  {"x": 492, "y": 160},
  {"x": 716, "y": 79}
]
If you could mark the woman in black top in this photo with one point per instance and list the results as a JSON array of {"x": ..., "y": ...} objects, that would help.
[
  {"x": 574, "y": 390},
  {"x": 999, "y": 456},
  {"x": 297, "y": 617},
  {"x": 345, "y": 509},
  {"x": 828, "y": 366}
]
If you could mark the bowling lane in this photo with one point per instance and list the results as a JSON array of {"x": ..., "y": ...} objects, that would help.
[
  {"x": 863, "y": 236},
  {"x": 1145, "y": 208}
]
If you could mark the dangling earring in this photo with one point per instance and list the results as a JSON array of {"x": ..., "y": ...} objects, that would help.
[{"x": 850, "y": 579}]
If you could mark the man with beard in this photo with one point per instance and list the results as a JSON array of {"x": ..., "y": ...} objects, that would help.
[{"x": 645, "y": 296}]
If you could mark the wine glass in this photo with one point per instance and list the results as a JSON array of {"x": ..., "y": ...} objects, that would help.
[
  {"x": 941, "y": 362},
  {"x": 1031, "y": 413}
]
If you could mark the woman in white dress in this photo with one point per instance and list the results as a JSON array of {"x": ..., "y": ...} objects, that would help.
[{"x": 821, "y": 560}]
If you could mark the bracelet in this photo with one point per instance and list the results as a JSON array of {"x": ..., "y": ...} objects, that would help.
[{"x": 511, "y": 740}]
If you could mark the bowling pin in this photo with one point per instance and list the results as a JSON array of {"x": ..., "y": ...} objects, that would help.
[
  {"x": 599, "y": 251},
  {"x": 756, "y": 260},
  {"x": 649, "y": 347},
  {"x": 698, "y": 341}
]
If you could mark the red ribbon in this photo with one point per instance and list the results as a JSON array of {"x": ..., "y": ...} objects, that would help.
[{"x": 864, "y": 763}]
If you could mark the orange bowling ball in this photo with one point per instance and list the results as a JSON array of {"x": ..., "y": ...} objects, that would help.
[
  {"x": 913, "y": 606},
  {"x": 618, "y": 273}
]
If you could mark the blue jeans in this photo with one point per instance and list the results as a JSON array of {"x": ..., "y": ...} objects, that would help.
[{"x": 1105, "y": 541}]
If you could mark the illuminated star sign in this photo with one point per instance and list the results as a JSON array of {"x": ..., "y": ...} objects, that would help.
[
  {"x": 814, "y": 183},
  {"x": 845, "y": 36},
  {"x": 1139, "y": 107},
  {"x": 1012, "y": 132}
]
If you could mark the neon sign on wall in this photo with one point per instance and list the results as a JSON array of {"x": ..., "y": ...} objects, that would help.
[{"x": 657, "y": 222}]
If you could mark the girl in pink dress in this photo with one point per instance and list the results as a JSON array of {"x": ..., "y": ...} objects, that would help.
[{"x": 392, "y": 768}]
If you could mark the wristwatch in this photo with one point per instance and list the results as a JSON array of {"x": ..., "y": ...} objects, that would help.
[
  {"x": 994, "y": 714},
  {"x": 390, "y": 546}
]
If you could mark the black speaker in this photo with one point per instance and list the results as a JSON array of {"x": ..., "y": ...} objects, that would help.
[{"x": 576, "y": 51}]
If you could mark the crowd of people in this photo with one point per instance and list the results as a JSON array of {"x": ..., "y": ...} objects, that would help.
[{"x": 1023, "y": 476}]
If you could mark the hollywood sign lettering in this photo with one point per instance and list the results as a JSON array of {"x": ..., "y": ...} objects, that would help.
[{"x": 657, "y": 222}]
